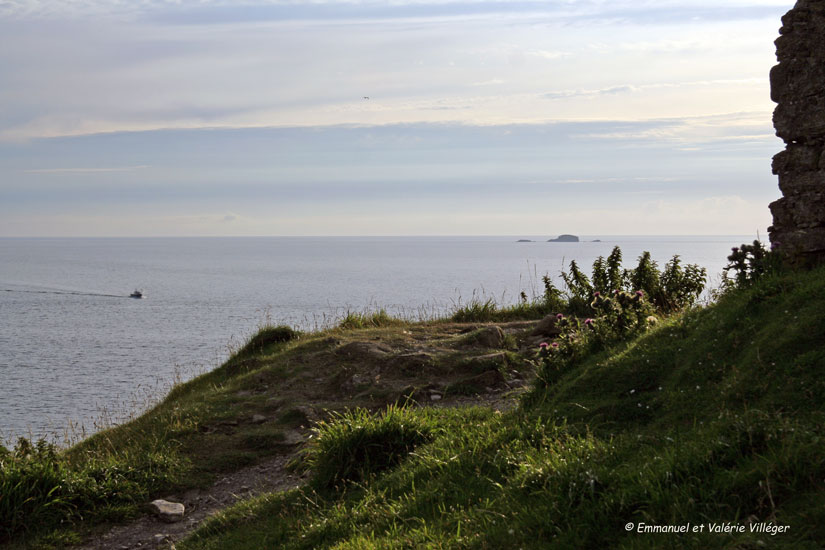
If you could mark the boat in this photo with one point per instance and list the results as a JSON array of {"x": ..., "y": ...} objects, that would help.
[{"x": 136, "y": 294}]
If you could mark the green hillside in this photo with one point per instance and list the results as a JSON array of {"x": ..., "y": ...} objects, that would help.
[{"x": 713, "y": 417}]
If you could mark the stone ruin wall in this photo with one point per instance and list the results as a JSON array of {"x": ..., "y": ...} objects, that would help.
[{"x": 798, "y": 88}]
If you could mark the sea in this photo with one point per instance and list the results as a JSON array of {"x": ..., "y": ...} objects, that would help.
[{"x": 77, "y": 354}]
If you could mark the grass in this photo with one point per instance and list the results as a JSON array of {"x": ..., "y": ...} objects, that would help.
[
  {"x": 354, "y": 445},
  {"x": 716, "y": 415},
  {"x": 489, "y": 311},
  {"x": 369, "y": 319}
]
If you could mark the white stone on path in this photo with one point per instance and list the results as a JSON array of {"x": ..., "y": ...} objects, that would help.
[{"x": 169, "y": 512}]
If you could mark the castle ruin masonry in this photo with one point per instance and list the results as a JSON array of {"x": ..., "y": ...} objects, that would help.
[{"x": 798, "y": 88}]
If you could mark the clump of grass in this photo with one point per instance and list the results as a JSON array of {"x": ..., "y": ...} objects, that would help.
[
  {"x": 374, "y": 319},
  {"x": 355, "y": 444},
  {"x": 489, "y": 311},
  {"x": 267, "y": 336}
]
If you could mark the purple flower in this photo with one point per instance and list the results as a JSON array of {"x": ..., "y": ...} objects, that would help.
[
  {"x": 543, "y": 345},
  {"x": 555, "y": 345},
  {"x": 588, "y": 322},
  {"x": 597, "y": 294},
  {"x": 639, "y": 293},
  {"x": 559, "y": 316}
]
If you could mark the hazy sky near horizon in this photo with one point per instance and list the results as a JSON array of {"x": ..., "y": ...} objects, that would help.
[{"x": 221, "y": 117}]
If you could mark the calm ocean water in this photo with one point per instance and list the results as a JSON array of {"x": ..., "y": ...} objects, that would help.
[{"x": 74, "y": 346}]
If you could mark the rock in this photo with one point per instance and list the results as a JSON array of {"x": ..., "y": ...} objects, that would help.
[
  {"x": 308, "y": 412},
  {"x": 491, "y": 337},
  {"x": 490, "y": 378},
  {"x": 435, "y": 396},
  {"x": 169, "y": 512},
  {"x": 547, "y": 327},
  {"x": 363, "y": 350},
  {"x": 490, "y": 361},
  {"x": 258, "y": 419},
  {"x": 292, "y": 437},
  {"x": 414, "y": 361},
  {"x": 564, "y": 239},
  {"x": 798, "y": 229}
]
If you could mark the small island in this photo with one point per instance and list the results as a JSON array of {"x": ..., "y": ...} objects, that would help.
[
  {"x": 525, "y": 241},
  {"x": 564, "y": 239}
]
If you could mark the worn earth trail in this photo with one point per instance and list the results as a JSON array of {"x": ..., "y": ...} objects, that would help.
[{"x": 152, "y": 532}]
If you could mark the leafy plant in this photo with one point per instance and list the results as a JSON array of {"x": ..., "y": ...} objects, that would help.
[{"x": 750, "y": 262}]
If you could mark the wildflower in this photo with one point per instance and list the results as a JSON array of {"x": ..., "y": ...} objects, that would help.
[
  {"x": 597, "y": 294},
  {"x": 588, "y": 322},
  {"x": 559, "y": 316},
  {"x": 543, "y": 345},
  {"x": 555, "y": 345},
  {"x": 639, "y": 293}
]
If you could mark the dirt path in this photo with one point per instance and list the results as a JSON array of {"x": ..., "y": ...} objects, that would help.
[{"x": 150, "y": 532}]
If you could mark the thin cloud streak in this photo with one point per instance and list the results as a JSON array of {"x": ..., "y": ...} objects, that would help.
[{"x": 85, "y": 170}]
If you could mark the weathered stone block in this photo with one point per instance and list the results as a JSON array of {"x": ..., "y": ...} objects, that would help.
[
  {"x": 799, "y": 242},
  {"x": 797, "y": 158},
  {"x": 795, "y": 183}
]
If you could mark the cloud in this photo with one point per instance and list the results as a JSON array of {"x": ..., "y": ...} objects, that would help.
[
  {"x": 492, "y": 82},
  {"x": 85, "y": 170},
  {"x": 566, "y": 94},
  {"x": 630, "y": 88}
]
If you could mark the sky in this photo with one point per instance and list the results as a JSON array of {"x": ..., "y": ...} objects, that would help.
[{"x": 408, "y": 117}]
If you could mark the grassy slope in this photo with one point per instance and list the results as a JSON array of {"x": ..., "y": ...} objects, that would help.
[
  {"x": 715, "y": 416},
  {"x": 205, "y": 427}
]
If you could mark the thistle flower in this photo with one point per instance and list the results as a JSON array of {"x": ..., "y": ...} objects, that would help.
[
  {"x": 559, "y": 316},
  {"x": 543, "y": 346},
  {"x": 555, "y": 345}
]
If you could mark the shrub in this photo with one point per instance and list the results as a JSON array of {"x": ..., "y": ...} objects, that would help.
[
  {"x": 750, "y": 262},
  {"x": 670, "y": 290},
  {"x": 678, "y": 288}
]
